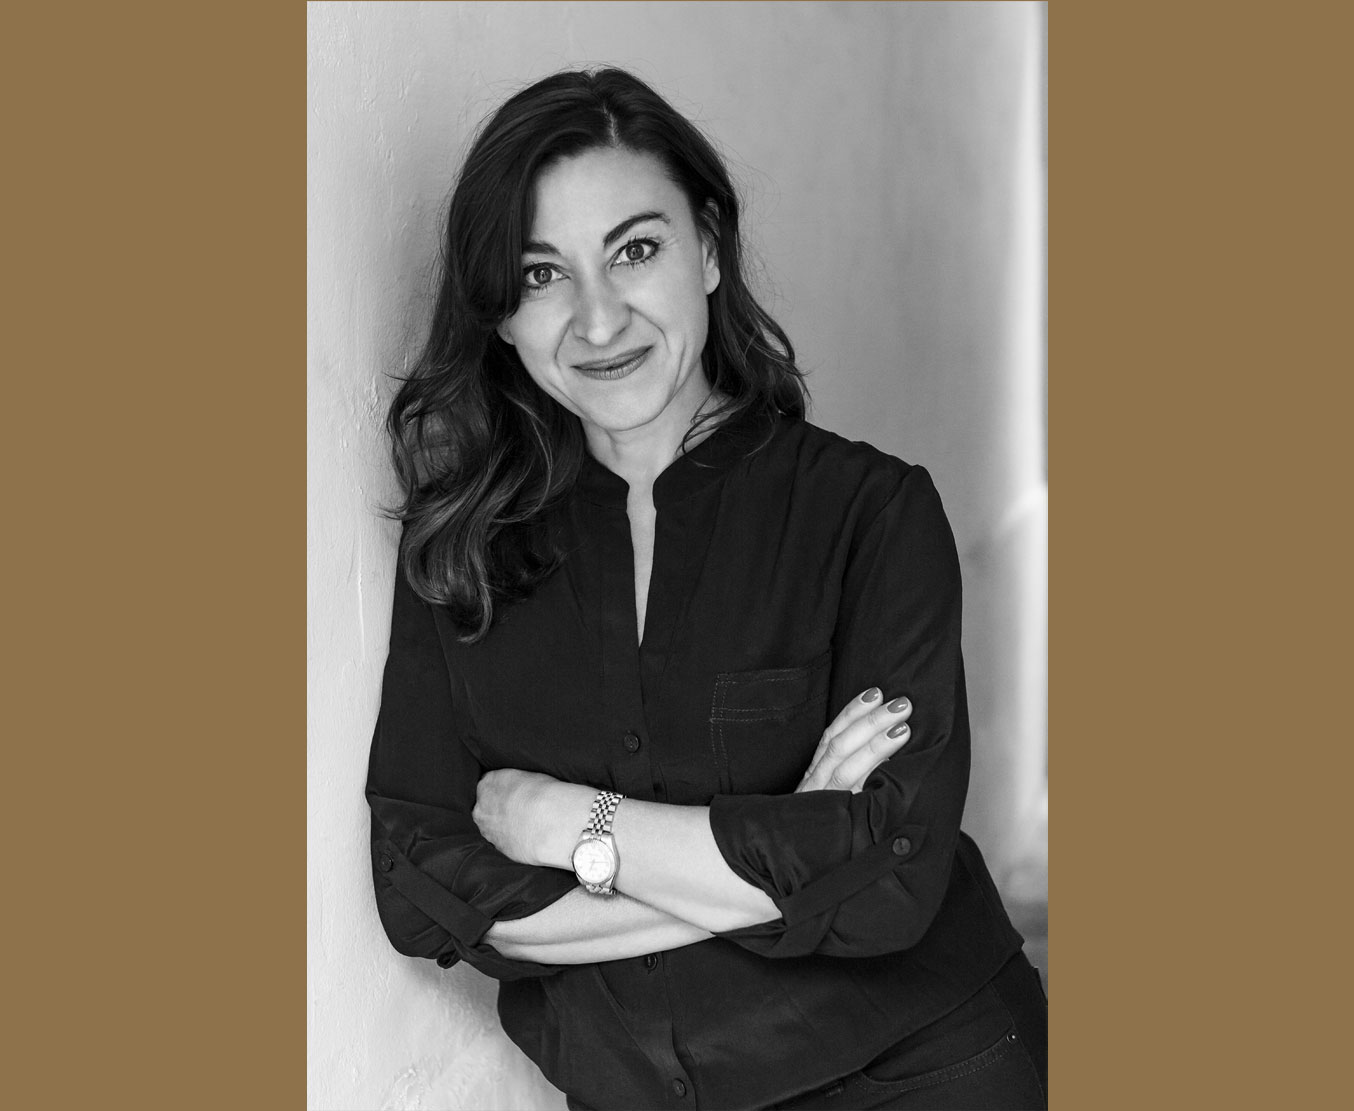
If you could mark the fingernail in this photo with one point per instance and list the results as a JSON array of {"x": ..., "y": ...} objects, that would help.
[
  {"x": 898, "y": 730},
  {"x": 871, "y": 694},
  {"x": 898, "y": 705}
]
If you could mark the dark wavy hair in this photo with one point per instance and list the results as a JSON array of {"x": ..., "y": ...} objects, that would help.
[{"x": 479, "y": 448}]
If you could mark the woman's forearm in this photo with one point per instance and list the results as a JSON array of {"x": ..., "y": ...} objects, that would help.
[
  {"x": 582, "y": 929},
  {"x": 667, "y": 854},
  {"x": 668, "y": 859}
]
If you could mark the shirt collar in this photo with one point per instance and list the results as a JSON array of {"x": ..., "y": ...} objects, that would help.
[{"x": 733, "y": 439}]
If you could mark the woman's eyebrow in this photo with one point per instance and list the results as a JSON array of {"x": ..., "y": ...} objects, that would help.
[
  {"x": 540, "y": 247},
  {"x": 625, "y": 225}
]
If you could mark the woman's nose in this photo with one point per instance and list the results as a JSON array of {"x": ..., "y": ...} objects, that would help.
[{"x": 600, "y": 314}]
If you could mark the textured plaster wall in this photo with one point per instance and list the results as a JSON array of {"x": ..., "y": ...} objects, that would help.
[{"x": 891, "y": 159}]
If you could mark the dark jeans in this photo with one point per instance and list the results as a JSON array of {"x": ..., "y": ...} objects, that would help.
[{"x": 989, "y": 1054}]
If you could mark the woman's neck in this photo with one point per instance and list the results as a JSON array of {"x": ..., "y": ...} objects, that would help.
[{"x": 640, "y": 455}]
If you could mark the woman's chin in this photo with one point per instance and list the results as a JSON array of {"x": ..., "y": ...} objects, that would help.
[
  {"x": 620, "y": 421},
  {"x": 626, "y": 412},
  {"x": 644, "y": 408}
]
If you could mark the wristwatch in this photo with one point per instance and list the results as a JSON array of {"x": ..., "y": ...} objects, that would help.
[{"x": 594, "y": 857}]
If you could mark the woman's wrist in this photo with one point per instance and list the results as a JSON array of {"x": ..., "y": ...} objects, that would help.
[{"x": 563, "y": 813}]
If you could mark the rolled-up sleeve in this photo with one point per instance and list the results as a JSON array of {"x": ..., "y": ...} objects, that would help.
[
  {"x": 863, "y": 874},
  {"x": 439, "y": 884}
]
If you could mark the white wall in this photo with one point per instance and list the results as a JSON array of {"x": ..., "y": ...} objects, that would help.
[{"x": 892, "y": 164}]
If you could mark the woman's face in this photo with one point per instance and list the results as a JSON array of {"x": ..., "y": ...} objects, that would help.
[{"x": 615, "y": 275}]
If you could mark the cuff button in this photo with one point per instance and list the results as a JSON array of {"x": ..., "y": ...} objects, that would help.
[
  {"x": 901, "y": 846},
  {"x": 385, "y": 863}
]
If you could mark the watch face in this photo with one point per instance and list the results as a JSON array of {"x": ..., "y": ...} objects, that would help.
[{"x": 593, "y": 861}]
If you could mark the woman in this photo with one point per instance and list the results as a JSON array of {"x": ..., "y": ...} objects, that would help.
[{"x": 633, "y": 582}]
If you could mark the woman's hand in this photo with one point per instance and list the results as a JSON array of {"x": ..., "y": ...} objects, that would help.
[
  {"x": 512, "y": 813},
  {"x": 865, "y": 734}
]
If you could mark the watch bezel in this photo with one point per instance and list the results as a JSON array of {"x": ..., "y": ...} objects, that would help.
[{"x": 608, "y": 842}]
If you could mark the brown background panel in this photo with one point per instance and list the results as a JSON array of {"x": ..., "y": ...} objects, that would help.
[
  {"x": 154, "y": 415},
  {"x": 155, "y": 403},
  {"x": 1193, "y": 191}
]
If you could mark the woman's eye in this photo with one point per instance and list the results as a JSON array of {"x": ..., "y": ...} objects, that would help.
[
  {"x": 538, "y": 276},
  {"x": 638, "y": 250}
]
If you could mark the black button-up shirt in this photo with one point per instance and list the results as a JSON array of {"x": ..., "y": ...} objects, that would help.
[{"x": 785, "y": 582}]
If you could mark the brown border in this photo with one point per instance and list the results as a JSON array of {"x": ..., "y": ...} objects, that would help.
[
  {"x": 156, "y": 624},
  {"x": 1196, "y": 172},
  {"x": 155, "y": 426}
]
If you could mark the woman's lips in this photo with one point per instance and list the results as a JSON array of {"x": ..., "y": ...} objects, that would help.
[{"x": 619, "y": 367}]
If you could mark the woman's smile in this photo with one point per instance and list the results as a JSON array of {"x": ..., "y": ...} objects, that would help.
[{"x": 621, "y": 366}]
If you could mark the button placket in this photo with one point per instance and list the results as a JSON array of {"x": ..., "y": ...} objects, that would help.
[{"x": 622, "y": 686}]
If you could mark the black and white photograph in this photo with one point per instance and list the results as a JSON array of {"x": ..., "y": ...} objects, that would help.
[{"x": 677, "y": 574}]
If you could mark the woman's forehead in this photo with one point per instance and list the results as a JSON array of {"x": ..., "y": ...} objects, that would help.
[{"x": 582, "y": 198}]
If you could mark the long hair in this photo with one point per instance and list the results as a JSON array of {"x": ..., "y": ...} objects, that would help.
[{"x": 479, "y": 448}]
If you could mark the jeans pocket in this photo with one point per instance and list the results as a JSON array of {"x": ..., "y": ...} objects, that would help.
[
  {"x": 998, "y": 1077},
  {"x": 984, "y": 1059}
]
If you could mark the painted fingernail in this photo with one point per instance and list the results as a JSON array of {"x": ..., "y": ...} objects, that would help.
[
  {"x": 898, "y": 705},
  {"x": 898, "y": 730},
  {"x": 871, "y": 694}
]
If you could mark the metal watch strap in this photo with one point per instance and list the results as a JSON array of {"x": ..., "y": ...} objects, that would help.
[{"x": 603, "y": 812}]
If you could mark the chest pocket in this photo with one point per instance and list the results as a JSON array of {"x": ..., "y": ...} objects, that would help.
[{"x": 764, "y": 725}]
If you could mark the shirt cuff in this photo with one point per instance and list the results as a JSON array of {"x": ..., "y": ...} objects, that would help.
[
  {"x": 465, "y": 923},
  {"x": 804, "y": 851}
]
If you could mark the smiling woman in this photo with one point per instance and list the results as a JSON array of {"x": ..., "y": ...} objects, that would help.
[
  {"x": 634, "y": 586},
  {"x": 595, "y": 313}
]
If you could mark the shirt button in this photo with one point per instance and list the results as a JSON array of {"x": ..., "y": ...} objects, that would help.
[
  {"x": 386, "y": 863},
  {"x": 651, "y": 961},
  {"x": 901, "y": 846},
  {"x": 631, "y": 743},
  {"x": 679, "y": 1087}
]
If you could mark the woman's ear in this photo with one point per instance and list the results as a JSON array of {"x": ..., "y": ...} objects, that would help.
[
  {"x": 710, "y": 247},
  {"x": 711, "y": 267},
  {"x": 503, "y": 332}
]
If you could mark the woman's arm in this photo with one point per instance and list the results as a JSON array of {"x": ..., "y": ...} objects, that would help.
[
  {"x": 668, "y": 858},
  {"x": 582, "y": 929},
  {"x": 857, "y": 875},
  {"x": 439, "y": 885}
]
